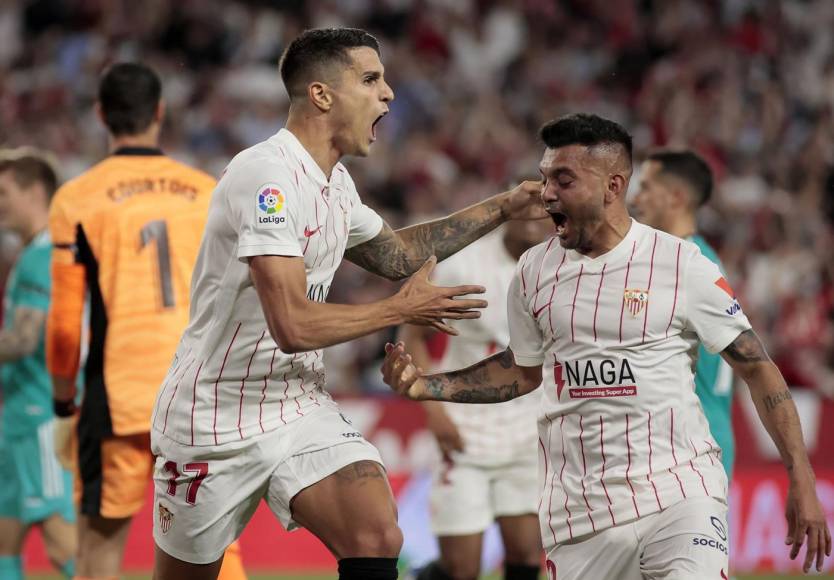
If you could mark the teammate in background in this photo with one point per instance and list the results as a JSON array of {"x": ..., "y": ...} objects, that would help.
[
  {"x": 243, "y": 415},
  {"x": 489, "y": 453},
  {"x": 127, "y": 232},
  {"x": 610, "y": 317},
  {"x": 35, "y": 490},
  {"x": 673, "y": 185}
]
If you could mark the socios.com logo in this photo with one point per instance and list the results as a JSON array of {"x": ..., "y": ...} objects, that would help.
[{"x": 270, "y": 201}]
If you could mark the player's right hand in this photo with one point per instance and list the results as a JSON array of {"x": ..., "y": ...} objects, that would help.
[
  {"x": 400, "y": 373},
  {"x": 62, "y": 439},
  {"x": 421, "y": 302}
]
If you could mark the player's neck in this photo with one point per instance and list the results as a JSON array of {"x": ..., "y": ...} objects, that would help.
[
  {"x": 682, "y": 226},
  {"x": 148, "y": 140},
  {"x": 316, "y": 139},
  {"x": 606, "y": 237}
]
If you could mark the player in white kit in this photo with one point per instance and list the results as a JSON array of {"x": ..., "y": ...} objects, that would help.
[
  {"x": 487, "y": 468},
  {"x": 609, "y": 313},
  {"x": 242, "y": 415}
]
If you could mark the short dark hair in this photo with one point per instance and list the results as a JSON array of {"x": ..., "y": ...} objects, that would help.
[
  {"x": 129, "y": 95},
  {"x": 584, "y": 129},
  {"x": 690, "y": 167},
  {"x": 317, "y": 48},
  {"x": 29, "y": 166}
]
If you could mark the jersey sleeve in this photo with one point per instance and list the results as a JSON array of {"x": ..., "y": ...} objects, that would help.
[
  {"x": 264, "y": 208},
  {"x": 526, "y": 339},
  {"x": 68, "y": 289},
  {"x": 712, "y": 309},
  {"x": 33, "y": 280}
]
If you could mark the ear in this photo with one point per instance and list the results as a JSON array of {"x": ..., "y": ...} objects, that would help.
[
  {"x": 159, "y": 115},
  {"x": 681, "y": 198},
  {"x": 320, "y": 95},
  {"x": 617, "y": 187}
]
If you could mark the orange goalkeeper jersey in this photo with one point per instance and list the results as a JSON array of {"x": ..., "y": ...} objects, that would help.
[{"x": 128, "y": 230}]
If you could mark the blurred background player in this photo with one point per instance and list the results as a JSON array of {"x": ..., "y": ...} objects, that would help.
[
  {"x": 127, "y": 232},
  {"x": 489, "y": 461},
  {"x": 673, "y": 186},
  {"x": 34, "y": 489}
]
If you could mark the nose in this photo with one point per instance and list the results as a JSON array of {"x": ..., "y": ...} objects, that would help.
[
  {"x": 387, "y": 93},
  {"x": 549, "y": 192}
]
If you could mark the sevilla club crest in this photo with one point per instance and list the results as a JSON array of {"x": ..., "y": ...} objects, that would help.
[
  {"x": 635, "y": 300},
  {"x": 166, "y": 519}
]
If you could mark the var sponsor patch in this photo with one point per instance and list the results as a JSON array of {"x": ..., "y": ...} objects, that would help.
[{"x": 270, "y": 206}]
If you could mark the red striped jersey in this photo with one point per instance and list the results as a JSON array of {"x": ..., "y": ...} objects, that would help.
[
  {"x": 492, "y": 434},
  {"x": 229, "y": 380},
  {"x": 622, "y": 433}
]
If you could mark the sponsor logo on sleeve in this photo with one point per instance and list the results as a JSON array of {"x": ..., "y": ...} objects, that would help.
[
  {"x": 271, "y": 206},
  {"x": 735, "y": 307}
]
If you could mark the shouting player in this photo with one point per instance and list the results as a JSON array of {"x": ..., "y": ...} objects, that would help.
[
  {"x": 128, "y": 231},
  {"x": 35, "y": 490},
  {"x": 609, "y": 312},
  {"x": 673, "y": 185},
  {"x": 489, "y": 453},
  {"x": 243, "y": 415}
]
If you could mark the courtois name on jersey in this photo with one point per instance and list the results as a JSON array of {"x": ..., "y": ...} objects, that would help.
[{"x": 231, "y": 380}]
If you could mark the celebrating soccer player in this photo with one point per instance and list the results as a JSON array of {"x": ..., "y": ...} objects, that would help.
[
  {"x": 609, "y": 313},
  {"x": 243, "y": 415}
]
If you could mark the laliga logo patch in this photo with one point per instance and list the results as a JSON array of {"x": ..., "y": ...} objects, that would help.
[{"x": 270, "y": 206}]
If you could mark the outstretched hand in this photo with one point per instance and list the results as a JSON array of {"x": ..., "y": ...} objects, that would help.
[
  {"x": 806, "y": 520},
  {"x": 421, "y": 302}
]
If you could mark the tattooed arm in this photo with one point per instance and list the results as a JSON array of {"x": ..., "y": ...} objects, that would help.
[
  {"x": 493, "y": 380},
  {"x": 778, "y": 414},
  {"x": 398, "y": 254},
  {"x": 22, "y": 338}
]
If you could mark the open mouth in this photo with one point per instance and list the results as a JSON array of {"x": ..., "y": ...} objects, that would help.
[
  {"x": 373, "y": 125},
  {"x": 561, "y": 221}
]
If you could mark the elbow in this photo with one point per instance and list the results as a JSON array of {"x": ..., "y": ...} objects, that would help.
[{"x": 289, "y": 338}]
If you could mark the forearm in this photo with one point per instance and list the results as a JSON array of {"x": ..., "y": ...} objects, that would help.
[
  {"x": 778, "y": 414},
  {"x": 14, "y": 347},
  {"x": 446, "y": 236},
  {"x": 21, "y": 339},
  {"x": 397, "y": 255},
  {"x": 317, "y": 325},
  {"x": 493, "y": 380}
]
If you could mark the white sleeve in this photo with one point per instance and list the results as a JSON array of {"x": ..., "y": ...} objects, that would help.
[
  {"x": 526, "y": 340},
  {"x": 264, "y": 208},
  {"x": 365, "y": 223},
  {"x": 712, "y": 309}
]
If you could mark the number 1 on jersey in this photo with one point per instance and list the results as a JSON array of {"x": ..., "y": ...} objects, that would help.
[{"x": 158, "y": 230}]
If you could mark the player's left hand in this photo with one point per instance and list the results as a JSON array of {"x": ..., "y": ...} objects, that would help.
[
  {"x": 524, "y": 202},
  {"x": 806, "y": 518},
  {"x": 400, "y": 373}
]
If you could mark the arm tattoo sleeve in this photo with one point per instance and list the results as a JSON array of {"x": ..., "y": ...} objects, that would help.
[
  {"x": 475, "y": 384},
  {"x": 746, "y": 348},
  {"x": 397, "y": 255}
]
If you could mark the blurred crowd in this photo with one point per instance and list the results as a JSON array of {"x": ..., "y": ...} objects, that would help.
[{"x": 747, "y": 83}]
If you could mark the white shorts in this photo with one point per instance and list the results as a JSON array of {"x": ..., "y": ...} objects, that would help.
[
  {"x": 205, "y": 496},
  {"x": 687, "y": 541},
  {"x": 466, "y": 497}
]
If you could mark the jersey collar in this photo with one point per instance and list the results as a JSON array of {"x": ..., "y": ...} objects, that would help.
[
  {"x": 137, "y": 151},
  {"x": 308, "y": 164}
]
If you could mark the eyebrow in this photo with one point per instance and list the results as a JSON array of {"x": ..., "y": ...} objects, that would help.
[
  {"x": 373, "y": 74},
  {"x": 558, "y": 170}
]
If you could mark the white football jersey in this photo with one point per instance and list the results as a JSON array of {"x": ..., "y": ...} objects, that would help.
[
  {"x": 491, "y": 433},
  {"x": 622, "y": 432},
  {"x": 229, "y": 379}
]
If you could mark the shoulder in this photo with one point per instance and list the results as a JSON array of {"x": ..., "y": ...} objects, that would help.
[
  {"x": 202, "y": 179},
  {"x": 80, "y": 185},
  {"x": 707, "y": 250}
]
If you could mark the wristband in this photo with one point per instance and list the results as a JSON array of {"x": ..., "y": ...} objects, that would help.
[{"x": 64, "y": 408}]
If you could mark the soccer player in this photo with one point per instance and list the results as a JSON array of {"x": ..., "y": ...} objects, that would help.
[
  {"x": 126, "y": 231},
  {"x": 35, "y": 490},
  {"x": 673, "y": 185},
  {"x": 243, "y": 415},
  {"x": 609, "y": 312},
  {"x": 489, "y": 453}
]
